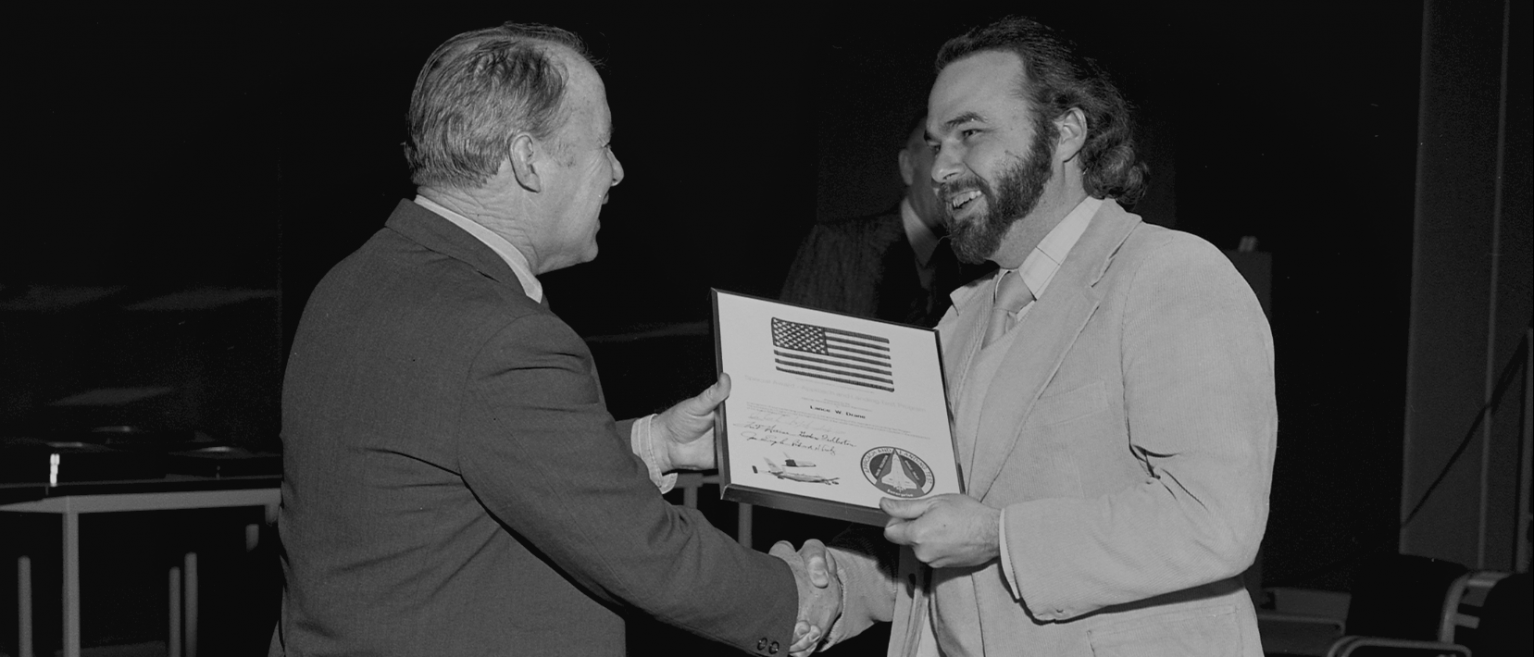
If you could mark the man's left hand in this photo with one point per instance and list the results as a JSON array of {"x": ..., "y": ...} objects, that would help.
[
  {"x": 685, "y": 432},
  {"x": 946, "y": 531}
]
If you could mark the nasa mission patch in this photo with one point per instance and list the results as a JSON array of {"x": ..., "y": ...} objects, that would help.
[{"x": 897, "y": 472}]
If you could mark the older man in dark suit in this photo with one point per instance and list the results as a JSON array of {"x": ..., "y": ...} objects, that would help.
[{"x": 453, "y": 483}]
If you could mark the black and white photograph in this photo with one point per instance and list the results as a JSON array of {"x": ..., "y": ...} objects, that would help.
[{"x": 361, "y": 330}]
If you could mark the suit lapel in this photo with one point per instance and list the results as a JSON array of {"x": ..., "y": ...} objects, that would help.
[
  {"x": 1045, "y": 335},
  {"x": 961, "y": 340}
]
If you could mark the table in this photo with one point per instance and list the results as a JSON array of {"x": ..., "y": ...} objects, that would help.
[{"x": 174, "y": 492}]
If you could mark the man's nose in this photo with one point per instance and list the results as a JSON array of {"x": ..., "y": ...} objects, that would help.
[
  {"x": 617, "y": 170},
  {"x": 945, "y": 165}
]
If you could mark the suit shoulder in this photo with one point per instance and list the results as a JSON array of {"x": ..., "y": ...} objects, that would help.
[
  {"x": 1152, "y": 242},
  {"x": 1163, "y": 261},
  {"x": 392, "y": 279},
  {"x": 860, "y": 230},
  {"x": 862, "y": 222}
]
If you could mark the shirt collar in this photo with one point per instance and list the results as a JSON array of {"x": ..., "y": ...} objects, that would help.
[
  {"x": 923, "y": 240},
  {"x": 498, "y": 244},
  {"x": 1039, "y": 268}
]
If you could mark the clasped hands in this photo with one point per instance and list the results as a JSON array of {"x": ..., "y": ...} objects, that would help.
[
  {"x": 944, "y": 531},
  {"x": 820, "y": 592}
]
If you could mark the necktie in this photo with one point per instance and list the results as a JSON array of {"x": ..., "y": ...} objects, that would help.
[{"x": 1012, "y": 295}]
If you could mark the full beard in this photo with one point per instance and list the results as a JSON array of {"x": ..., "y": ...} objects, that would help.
[{"x": 1022, "y": 184}]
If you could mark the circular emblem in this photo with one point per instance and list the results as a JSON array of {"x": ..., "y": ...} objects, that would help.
[{"x": 897, "y": 472}]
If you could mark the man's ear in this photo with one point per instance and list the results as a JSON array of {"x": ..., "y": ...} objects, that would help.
[
  {"x": 1072, "y": 129},
  {"x": 525, "y": 160},
  {"x": 907, "y": 167}
]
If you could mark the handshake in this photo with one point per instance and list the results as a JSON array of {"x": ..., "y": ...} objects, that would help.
[
  {"x": 820, "y": 593},
  {"x": 944, "y": 531}
]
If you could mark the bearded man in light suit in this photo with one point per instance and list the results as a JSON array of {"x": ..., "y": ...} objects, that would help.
[
  {"x": 453, "y": 483},
  {"x": 1112, "y": 392}
]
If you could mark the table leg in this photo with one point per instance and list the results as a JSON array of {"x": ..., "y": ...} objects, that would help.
[
  {"x": 191, "y": 604},
  {"x": 24, "y": 606},
  {"x": 743, "y": 525},
  {"x": 173, "y": 641},
  {"x": 71, "y": 522}
]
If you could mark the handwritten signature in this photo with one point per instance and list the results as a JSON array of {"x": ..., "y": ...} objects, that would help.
[
  {"x": 787, "y": 429},
  {"x": 790, "y": 441}
]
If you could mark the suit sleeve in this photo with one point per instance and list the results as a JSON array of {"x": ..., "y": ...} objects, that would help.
[
  {"x": 866, "y": 566},
  {"x": 545, "y": 458},
  {"x": 1197, "y": 362}
]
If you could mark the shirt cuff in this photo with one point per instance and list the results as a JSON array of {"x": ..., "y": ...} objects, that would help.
[
  {"x": 643, "y": 446},
  {"x": 1006, "y": 559}
]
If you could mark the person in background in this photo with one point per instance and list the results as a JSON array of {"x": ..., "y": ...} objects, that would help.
[{"x": 895, "y": 266}]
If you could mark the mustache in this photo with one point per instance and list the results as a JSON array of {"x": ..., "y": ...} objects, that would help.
[{"x": 947, "y": 190}]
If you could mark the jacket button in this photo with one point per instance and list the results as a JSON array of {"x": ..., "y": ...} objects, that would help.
[
  {"x": 761, "y": 644},
  {"x": 773, "y": 649}
]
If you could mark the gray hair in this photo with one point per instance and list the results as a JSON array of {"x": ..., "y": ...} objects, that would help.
[{"x": 477, "y": 92}]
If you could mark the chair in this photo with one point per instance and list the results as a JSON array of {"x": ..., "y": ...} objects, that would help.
[
  {"x": 1504, "y": 626},
  {"x": 1394, "y": 596},
  {"x": 1457, "y": 630}
]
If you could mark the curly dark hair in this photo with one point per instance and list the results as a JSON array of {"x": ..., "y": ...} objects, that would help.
[{"x": 1057, "y": 77}]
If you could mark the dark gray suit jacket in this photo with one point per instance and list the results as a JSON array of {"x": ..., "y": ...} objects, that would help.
[{"x": 454, "y": 484}]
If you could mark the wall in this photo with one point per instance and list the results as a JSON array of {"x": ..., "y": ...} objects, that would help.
[{"x": 1470, "y": 299}]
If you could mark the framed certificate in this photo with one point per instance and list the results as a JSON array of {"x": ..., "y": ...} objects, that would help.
[{"x": 828, "y": 413}]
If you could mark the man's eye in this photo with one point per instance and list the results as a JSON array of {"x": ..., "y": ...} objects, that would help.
[{"x": 970, "y": 132}]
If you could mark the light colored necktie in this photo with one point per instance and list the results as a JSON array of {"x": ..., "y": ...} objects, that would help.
[{"x": 1012, "y": 295}]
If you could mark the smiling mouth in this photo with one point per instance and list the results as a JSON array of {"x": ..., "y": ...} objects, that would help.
[{"x": 958, "y": 202}]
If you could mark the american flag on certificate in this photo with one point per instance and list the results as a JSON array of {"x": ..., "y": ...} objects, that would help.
[{"x": 832, "y": 354}]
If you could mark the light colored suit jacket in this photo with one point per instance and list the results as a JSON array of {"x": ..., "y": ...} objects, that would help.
[{"x": 1128, "y": 435}]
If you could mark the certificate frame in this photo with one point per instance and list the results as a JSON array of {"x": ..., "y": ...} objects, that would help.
[{"x": 829, "y": 434}]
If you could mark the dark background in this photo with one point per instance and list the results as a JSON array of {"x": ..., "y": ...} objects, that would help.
[{"x": 237, "y": 150}]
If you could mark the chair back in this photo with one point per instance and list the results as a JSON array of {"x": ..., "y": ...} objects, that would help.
[
  {"x": 1494, "y": 615},
  {"x": 1401, "y": 597}
]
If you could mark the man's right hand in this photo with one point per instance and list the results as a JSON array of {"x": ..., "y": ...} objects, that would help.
[
  {"x": 685, "y": 432},
  {"x": 820, "y": 592}
]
